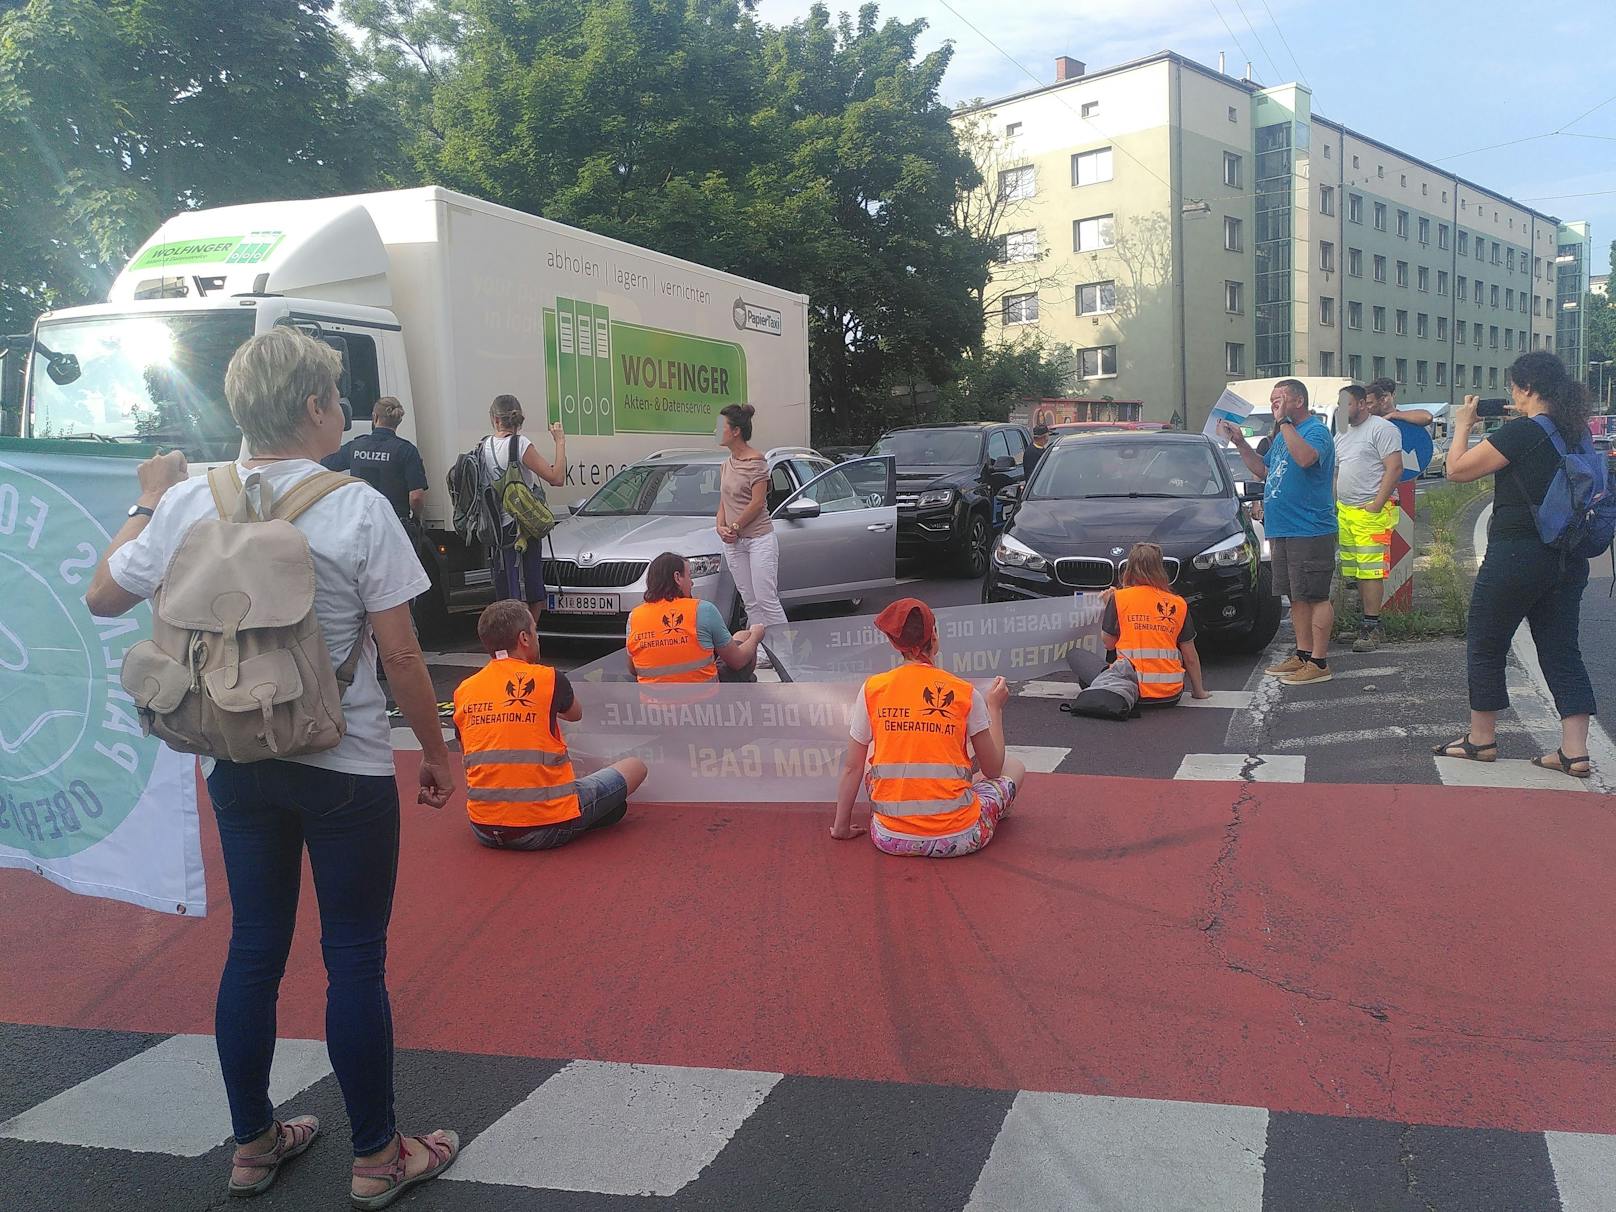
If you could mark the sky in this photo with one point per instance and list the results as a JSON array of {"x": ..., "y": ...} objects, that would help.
[{"x": 1434, "y": 78}]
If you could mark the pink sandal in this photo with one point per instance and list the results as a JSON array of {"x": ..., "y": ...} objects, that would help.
[
  {"x": 291, "y": 1138},
  {"x": 443, "y": 1152}
]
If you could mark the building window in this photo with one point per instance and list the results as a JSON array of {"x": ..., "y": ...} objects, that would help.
[
  {"x": 1459, "y": 288},
  {"x": 1422, "y": 326},
  {"x": 1509, "y": 300},
  {"x": 1380, "y": 367},
  {"x": 1509, "y": 260},
  {"x": 1355, "y": 208},
  {"x": 1422, "y": 279},
  {"x": 1090, "y": 168},
  {"x": 1492, "y": 377},
  {"x": 1327, "y": 256},
  {"x": 1021, "y": 309},
  {"x": 1355, "y": 162},
  {"x": 1402, "y": 274},
  {"x": 1402, "y": 224},
  {"x": 1327, "y": 356},
  {"x": 1421, "y": 369},
  {"x": 1442, "y": 282},
  {"x": 1441, "y": 374},
  {"x": 1326, "y": 199},
  {"x": 1492, "y": 337},
  {"x": 1442, "y": 328},
  {"x": 1425, "y": 230},
  {"x": 1380, "y": 172},
  {"x": 1097, "y": 299},
  {"x": 1464, "y": 243},
  {"x": 1548, "y": 342},
  {"x": 1234, "y": 358},
  {"x": 1402, "y": 370},
  {"x": 1475, "y": 333},
  {"x": 1016, "y": 184},
  {"x": 1509, "y": 338},
  {"x": 1537, "y": 305},
  {"x": 1494, "y": 296},
  {"x": 1498, "y": 253},
  {"x": 1354, "y": 366},
  {"x": 1012, "y": 129},
  {"x": 1537, "y": 267},
  {"x": 1402, "y": 322},
  {"x": 1234, "y": 114},
  {"x": 1231, "y": 170},
  {"x": 1520, "y": 341},
  {"x": 1377, "y": 319},
  {"x": 1380, "y": 216},
  {"x": 1380, "y": 268},
  {"x": 1354, "y": 314},
  {"x": 1326, "y": 311},
  {"x": 1442, "y": 235},
  {"x": 1019, "y": 246},
  {"x": 1326, "y": 151},
  {"x": 1091, "y": 234},
  {"x": 1458, "y": 374},
  {"x": 1097, "y": 363},
  {"x": 1232, "y": 238},
  {"x": 1091, "y": 109},
  {"x": 1234, "y": 298},
  {"x": 1355, "y": 262},
  {"x": 1478, "y": 292}
]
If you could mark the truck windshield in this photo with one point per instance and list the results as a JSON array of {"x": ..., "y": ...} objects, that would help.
[{"x": 149, "y": 378}]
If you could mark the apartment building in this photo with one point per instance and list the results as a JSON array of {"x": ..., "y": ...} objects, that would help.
[{"x": 1180, "y": 228}]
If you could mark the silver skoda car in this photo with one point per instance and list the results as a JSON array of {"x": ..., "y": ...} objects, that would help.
[{"x": 836, "y": 524}]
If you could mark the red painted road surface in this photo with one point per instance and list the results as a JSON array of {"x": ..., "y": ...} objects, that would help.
[{"x": 1417, "y": 954}]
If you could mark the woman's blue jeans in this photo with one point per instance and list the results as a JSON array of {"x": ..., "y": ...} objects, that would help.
[
  {"x": 1523, "y": 580},
  {"x": 268, "y": 812}
]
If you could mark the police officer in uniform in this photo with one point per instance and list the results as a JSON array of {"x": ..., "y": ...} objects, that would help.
[{"x": 388, "y": 463}]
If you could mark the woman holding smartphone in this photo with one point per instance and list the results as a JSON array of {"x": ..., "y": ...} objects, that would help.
[{"x": 1522, "y": 577}]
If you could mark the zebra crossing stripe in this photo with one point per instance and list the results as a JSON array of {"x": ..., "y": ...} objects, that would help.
[
  {"x": 616, "y": 1129},
  {"x": 167, "y": 1099},
  {"x": 1584, "y": 1170},
  {"x": 1087, "y": 1153},
  {"x": 1246, "y": 767}
]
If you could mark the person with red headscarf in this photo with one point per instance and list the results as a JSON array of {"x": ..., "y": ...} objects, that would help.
[{"x": 917, "y": 727}]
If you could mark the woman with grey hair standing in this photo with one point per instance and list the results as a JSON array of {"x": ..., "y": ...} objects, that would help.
[{"x": 341, "y": 804}]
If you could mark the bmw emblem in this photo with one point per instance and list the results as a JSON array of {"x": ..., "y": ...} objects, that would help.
[{"x": 1117, "y": 551}]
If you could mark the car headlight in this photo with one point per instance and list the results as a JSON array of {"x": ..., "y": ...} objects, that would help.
[
  {"x": 1230, "y": 553},
  {"x": 1008, "y": 553},
  {"x": 936, "y": 496},
  {"x": 705, "y": 566}
]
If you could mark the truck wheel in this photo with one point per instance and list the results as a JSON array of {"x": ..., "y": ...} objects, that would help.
[
  {"x": 1266, "y": 625},
  {"x": 973, "y": 555}
]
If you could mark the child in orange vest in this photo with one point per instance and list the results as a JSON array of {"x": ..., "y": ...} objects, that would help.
[{"x": 918, "y": 727}]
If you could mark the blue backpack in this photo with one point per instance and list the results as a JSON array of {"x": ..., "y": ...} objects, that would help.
[{"x": 1578, "y": 513}]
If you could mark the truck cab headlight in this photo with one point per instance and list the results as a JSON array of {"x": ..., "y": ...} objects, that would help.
[
  {"x": 1009, "y": 553},
  {"x": 935, "y": 496},
  {"x": 1230, "y": 553},
  {"x": 705, "y": 565}
]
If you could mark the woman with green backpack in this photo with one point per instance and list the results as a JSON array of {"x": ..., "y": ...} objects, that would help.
[{"x": 518, "y": 563}]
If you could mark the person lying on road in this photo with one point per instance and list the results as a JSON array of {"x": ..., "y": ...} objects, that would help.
[{"x": 918, "y": 726}]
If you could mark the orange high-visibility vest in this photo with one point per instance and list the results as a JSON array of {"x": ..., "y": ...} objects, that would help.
[
  {"x": 1148, "y": 622},
  {"x": 664, "y": 645},
  {"x": 920, "y": 768},
  {"x": 517, "y": 770}
]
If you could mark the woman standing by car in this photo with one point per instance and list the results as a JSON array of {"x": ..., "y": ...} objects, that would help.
[
  {"x": 1522, "y": 577},
  {"x": 520, "y": 574},
  {"x": 751, "y": 550}
]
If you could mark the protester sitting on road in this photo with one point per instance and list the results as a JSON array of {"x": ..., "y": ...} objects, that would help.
[
  {"x": 676, "y": 637},
  {"x": 918, "y": 726},
  {"x": 388, "y": 463},
  {"x": 519, "y": 574},
  {"x": 340, "y": 804},
  {"x": 522, "y": 793},
  {"x": 1150, "y": 625},
  {"x": 1522, "y": 577},
  {"x": 751, "y": 548},
  {"x": 1298, "y": 476},
  {"x": 1368, "y": 466}
]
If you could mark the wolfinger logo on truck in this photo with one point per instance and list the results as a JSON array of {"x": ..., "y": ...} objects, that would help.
[{"x": 604, "y": 376}]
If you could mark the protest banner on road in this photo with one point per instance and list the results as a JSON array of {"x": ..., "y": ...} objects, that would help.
[{"x": 86, "y": 800}]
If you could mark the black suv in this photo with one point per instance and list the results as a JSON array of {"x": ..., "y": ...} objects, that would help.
[
  {"x": 949, "y": 480},
  {"x": 1093, "y": 496}
]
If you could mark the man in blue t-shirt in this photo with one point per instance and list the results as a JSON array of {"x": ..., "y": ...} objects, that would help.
[{"x": 1299, "y": 520}]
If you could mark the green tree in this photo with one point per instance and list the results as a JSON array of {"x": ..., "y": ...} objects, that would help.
[
  {"x": 994, "y": 378},
  {"x": 118, "y": 113}
]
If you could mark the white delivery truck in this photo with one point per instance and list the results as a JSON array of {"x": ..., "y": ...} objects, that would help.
[{"x": 443, "y": 301}]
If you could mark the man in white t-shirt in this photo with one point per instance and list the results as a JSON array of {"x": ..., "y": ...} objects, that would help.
[{"x": 1368, "y": 465}]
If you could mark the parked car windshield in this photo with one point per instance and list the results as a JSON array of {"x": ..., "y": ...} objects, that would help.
[
  {"x": 1078, "y": 469},
  {"x": 661, "y": 489},
  {"x": 932, "y": 447}
]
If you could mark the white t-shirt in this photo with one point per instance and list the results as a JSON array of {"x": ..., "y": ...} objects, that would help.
[
  {"x": 863, "y": 731},
  {"x": 1360, "y": 456},
  {"x": 496, "y": 455},
  {"x": 363, "y": 564}
]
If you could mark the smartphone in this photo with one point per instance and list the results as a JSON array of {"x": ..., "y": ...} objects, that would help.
[{"x": 1491, "y": 407}]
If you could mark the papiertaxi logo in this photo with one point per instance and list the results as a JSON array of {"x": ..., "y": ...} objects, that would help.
[
  {"x": 73, "y": 758},
  {"x": 749, "y": 317}
]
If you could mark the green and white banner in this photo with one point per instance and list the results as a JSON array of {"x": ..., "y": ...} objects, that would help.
[
  {"x": 605, "y": 376},
  {"x": 86, "y": 800}
]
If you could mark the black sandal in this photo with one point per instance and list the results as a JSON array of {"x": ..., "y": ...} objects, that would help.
[
  {"x": 1470, "y": 752},
  {"x": 1560, "y": 762}
]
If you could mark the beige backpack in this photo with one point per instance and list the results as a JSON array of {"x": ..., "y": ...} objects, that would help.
[{"x": 236, "y": 667}]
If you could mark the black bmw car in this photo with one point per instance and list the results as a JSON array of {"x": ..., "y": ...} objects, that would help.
[{"x": 1095, "y": 495}]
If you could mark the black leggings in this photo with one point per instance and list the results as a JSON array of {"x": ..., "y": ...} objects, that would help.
[{"x": 1523, "y": 579}]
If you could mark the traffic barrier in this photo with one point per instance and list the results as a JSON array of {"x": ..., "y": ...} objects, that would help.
[{"x": 1400, "y": 579}]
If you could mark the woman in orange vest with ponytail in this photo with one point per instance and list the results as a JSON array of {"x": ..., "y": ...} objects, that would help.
[
  {"x": 1149, "y": 624},
  {"x": 918, "y": 727},
  {"x": 676, "y": 637}
]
